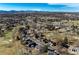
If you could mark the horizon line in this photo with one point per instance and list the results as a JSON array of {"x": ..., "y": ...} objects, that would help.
[{"x": 35, "y": 11}]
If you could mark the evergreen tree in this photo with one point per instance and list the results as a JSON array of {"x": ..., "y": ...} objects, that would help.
[{"x": 66, "y": 40}]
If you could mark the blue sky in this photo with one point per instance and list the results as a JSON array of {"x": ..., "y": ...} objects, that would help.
[{"x": 52, "y": 7}]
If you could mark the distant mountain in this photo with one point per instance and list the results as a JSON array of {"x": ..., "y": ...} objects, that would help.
[
  {"x": 21, "y": 11},
  {"x": 7, "y": 12}
]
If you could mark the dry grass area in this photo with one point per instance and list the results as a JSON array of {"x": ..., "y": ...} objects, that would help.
[{"x": 10, "y": 48}]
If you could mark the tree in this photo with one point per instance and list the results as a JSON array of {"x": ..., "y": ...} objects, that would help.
[
  {"x": 65, "y": 43},
  {"x": 44, "y": 49},
  {"x": 66, "y": 40}
]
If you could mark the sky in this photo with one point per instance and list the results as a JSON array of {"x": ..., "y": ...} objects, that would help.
[{"x": 51, "y": 7}]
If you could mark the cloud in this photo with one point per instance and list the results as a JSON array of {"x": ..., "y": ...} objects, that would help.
[
  {"x": 71, "y": 6},
  {"x": 66, "y": 4}
]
